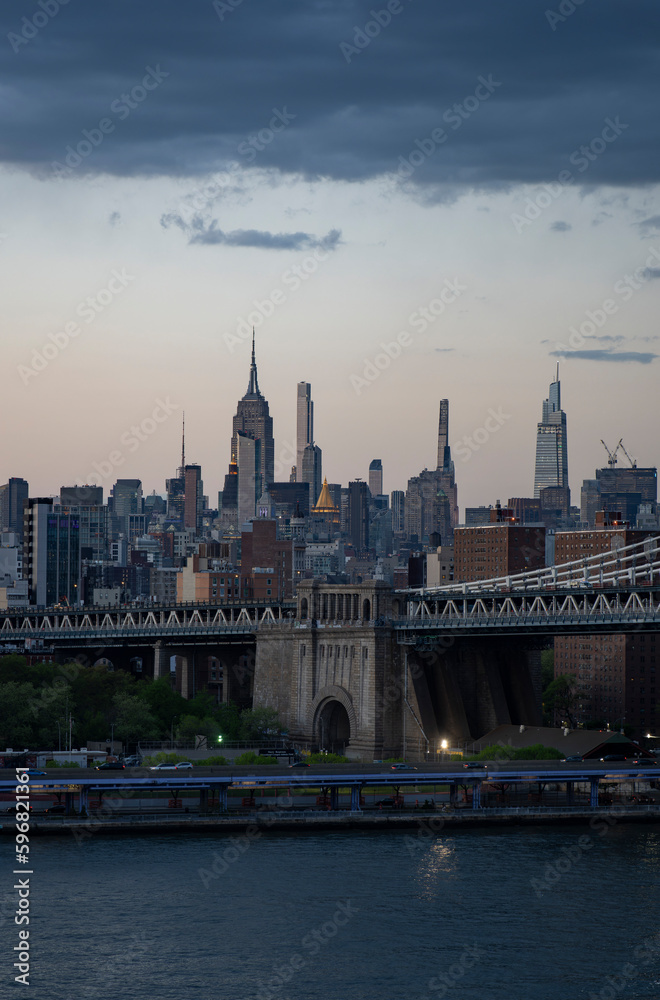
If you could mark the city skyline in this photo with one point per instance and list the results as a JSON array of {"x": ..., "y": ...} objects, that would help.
[
  {"x": 285, "y": 456},
  {"x": 449, "y": 237},
  {"x": 283, "y": 485}
]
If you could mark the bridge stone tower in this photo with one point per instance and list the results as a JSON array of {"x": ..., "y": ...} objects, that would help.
[
  {"x": 342, "y": 677},
  {"x": 327, "y": 672}
]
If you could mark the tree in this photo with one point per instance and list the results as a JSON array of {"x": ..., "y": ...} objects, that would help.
[
  {"x": 561, "y": 698},
  {"x": 163, "y": 701},
  {"x": 95, "y": 688},
  {"x": 133, "y": 720},
  {"x": 202, "y": 705},
  {"x": 259, "y": 723},
  {"x": 192, "y": 726},
  {"x": 50, "y": 705},
  {"x": 229, "y": 720},
  {"x": 18, "y": 715},
  {"x": 12, "y": 668},
  {"x": 547, "y": 668}
]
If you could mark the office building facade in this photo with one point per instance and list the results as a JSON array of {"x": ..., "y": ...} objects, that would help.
[{"x": 551, "y": 467}]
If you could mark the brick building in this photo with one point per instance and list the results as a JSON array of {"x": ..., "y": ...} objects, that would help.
[
  {"x": 267, "y": 562},
  {"x": 614, "y": 674},
  {"x": 485, "y": 551}
]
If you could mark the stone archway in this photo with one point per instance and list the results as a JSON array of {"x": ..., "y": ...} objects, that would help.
[
  {"x": 103, "y": 661},
  {"x": 333, "y": 719},
  {"x": 332, "y": 727}
]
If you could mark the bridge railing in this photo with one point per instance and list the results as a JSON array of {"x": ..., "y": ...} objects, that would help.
[{"x": 599, "y": 570}]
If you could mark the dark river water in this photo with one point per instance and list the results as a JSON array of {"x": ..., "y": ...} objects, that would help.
[{"x": 534, "y": 913}]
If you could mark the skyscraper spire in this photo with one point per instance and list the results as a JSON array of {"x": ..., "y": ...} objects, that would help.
[
  {"x": 551, "y": 467},
  {"x": 253, "y": 384},
  {"x": 182, "y": 468},
  {"x": 183, "y": 442},
  {"x": 444, "y": 451}
]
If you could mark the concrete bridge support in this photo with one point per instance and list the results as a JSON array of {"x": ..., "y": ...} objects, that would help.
[
  {"x": 335, "y": 689},
  {"x": 161, "y": 661},
  {"x": 226, "y": 669},
  {"x": 350, "y": 686},
  {"x": 467, "y": 687}
]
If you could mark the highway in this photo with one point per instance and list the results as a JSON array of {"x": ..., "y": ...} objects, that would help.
[{"x": 355, "y": 771}]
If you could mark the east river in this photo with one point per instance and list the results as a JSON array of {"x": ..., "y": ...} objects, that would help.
[{"x": 558, "y": 912}]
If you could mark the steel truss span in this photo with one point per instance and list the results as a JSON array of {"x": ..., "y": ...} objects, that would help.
[
  {"x": 629, "y": 566},
  {"x": 142, "y": 623},
  {"x": 594, "y": 611}
]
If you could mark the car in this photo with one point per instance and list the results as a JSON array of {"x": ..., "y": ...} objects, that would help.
[
  {"x": 574, "y": 758},
  {"x": 613, "y": 756},
  {"x": 132, "y": 761},
  {"x": 110, "y": 765},
  {"x": 19, "y": 806},
  {"x": 299, "y": 763},
  {"x": 183, "y": 766},
  {"x": 57, "y": 808},
  {"x": 403, "y": 767},
  {"x": 645, "y": 762},
  {"x": 391, "y": 802},
  {"x": 33, "y": 773},
  {"x": 474, "y": 763}
]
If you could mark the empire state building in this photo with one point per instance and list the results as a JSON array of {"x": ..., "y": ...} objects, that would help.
[{"x": 252, "y": 465}]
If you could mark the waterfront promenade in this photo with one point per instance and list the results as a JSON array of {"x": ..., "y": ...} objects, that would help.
[{"x": 334, "y": 796}]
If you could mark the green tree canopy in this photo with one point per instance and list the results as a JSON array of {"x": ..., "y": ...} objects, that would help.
[
  {"x": 561, "y": 697},
  {"x": 18, "y": 715},
  {"x": 192, "y": 726},
  {"x": 259, "y": 723},
  {"x": 165, "y": 704},
  {"x": 133, "y": 719}
]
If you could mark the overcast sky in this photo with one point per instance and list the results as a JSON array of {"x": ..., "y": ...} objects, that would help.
[{"x": 473, "y": 185}]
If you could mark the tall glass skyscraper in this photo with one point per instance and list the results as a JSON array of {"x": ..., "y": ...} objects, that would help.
[
  {"x": 551, "y": 443},
  {"x": 309, "y": 457}
]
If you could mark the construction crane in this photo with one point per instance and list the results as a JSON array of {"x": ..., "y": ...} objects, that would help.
[
  {"x": 611, "y": 455},
  {"x": 633, "y": 461}
]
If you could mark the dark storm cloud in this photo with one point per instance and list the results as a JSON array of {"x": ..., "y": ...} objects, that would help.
[
  {"x": 200, "y": 231},
  {"x": 615, "y": 356},
  {"x": 650, "y": 225},
  {"x": 277, "y": 86},
  {"x": 560, "y": 227}
]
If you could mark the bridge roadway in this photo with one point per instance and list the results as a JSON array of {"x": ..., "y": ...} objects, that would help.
[
  {"x": 334, "y": 775},
  {"x": 423, "y": 616},
  {"x": 577, "y": 609}
]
